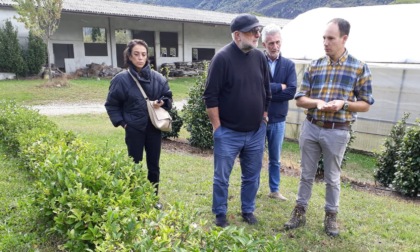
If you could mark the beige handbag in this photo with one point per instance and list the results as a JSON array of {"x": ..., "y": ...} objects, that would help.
[{"x": 160, "y": 118}]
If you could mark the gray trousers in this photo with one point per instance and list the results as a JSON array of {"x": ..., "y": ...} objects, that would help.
[{"x": 332, "y": 143}]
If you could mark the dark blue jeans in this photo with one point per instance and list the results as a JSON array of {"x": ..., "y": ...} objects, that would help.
[
  {"x": 228, "y": 144},
  {"x": 275, "y": 137}
]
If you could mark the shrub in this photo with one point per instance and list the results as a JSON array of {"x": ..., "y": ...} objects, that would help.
[
  {"x": 386, "y": 160},
  {"x": 176, "y": 124},
  {"x": 195, "y": 115},
  {"x": 11, "y": 59},
  {"x": 407, "y": 175},
  {"x": 36, "y": 54},
  {"x": 99, "y": 200},
  {"x": 16, "y": 120}
]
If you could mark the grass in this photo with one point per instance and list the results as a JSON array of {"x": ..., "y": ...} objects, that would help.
[
  {"x": 34, "y": 92},
  {"x": 20, "y": 229},
  {"x": 368, "y": 222}
]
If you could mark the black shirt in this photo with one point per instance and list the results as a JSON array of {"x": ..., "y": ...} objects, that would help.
[{"x": 238, "y": 84}]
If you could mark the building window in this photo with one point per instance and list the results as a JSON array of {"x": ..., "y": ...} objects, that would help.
[
  {"x": 202, "y": 54},
  {"x": 123, "y": 36},
  {"x": 169, "y": 44},
  {"x": 94, "y": 39}
]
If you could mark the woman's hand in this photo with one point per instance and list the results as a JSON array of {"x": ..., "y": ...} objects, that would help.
[{"x": 158, "y": 103}]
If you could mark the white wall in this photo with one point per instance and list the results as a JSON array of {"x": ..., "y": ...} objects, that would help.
[{"x": 195, "y": 36}]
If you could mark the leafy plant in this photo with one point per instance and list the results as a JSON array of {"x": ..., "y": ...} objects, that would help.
[
  {"x": 11, "y": 59},
  {"x": 195, "y": 116},
  {"x": 386, "y": 160},
  {"x": 36, "y": 54},
  {"x": 41, "y": 17},
  {"x": 98, "y": 199},
  {"x": 407, "y": 175},
  {"x": 176, "y": 124}
]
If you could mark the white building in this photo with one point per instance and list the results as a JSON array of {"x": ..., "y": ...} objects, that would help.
[{"x": 173, "y": 34}]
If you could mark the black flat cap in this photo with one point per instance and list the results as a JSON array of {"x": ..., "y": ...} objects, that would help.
[{"x": 244, "y": 23}]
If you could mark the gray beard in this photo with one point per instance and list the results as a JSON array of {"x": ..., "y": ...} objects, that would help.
[{"x": 247, "y": 48}]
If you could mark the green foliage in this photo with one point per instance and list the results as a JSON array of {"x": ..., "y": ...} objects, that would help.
[
  {"x": 16, "y": 120},
  {"x": 98, "y": 199},
  {"x": 175, "y": 230},
  {"x": 36, "y": 54},
  {"x": 386, "y": 160},
  {"x": 11, "y": 59},
  {"x": 41, "y": 17},
  {"x": 176, "y": 124},
  {"x": 195, "y": 116},
  {"x": 96, "y": 34},
  {"x": 407, "y": 175},
  {"x": 82, "y": 191}
]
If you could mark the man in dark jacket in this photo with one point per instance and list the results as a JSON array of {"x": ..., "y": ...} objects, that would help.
[
  {"x": 283, "y": 88},
  {"x": 237, "y": 96}
]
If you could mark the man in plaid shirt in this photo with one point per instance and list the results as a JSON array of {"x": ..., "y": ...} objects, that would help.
[{"x": 334, "y": 88}]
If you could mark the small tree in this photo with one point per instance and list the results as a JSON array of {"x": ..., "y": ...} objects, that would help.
[
  {"x": 195, "y": 116},
  {"x": 11, "y": 59},
  {"x": 42, "y": 17},
  {"x": 36, "y": 54}
]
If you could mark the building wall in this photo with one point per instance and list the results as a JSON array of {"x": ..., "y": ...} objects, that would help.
[{"x": 190, "y": 35}]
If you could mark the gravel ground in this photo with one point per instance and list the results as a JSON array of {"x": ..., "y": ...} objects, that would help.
[{"x": 80, "y": 108}]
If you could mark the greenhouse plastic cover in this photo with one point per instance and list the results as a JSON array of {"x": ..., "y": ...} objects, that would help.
[{"x": 384, "y": 33}]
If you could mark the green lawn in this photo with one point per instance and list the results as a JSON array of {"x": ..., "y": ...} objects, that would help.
[
  {"x": 35, "y": 92},
  {"x": 368, "y": 222}
]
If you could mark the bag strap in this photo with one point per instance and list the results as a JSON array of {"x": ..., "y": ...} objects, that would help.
[{"x": 138, "y": 84}]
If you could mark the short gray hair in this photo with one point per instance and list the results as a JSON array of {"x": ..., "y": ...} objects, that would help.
[{"x": 270, "y": 29}]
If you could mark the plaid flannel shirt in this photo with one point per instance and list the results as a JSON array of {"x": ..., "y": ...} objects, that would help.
[{"x": 347, "y": 79}]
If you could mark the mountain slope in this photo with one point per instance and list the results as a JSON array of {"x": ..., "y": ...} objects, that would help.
[{"x": 288, "y": 9}]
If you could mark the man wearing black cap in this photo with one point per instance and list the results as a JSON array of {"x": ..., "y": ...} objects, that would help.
[{"x": 237, "y": 96}]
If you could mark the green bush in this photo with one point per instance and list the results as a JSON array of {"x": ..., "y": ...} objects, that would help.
[
  {"x": 36, "y": 55},
  {"x": 176, "y": 124},
  {"x": 99, "y": 200},
  {"x": 407, "y": 175},
  {"x": 386, "y": 160},
  {"x": 11, "y": 59},
  {"x": 176, "y": 230},
  {"x": 16, "y": 120},
  {"x": 195, "y": 115}
]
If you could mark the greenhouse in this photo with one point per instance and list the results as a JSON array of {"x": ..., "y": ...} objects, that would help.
[{"x": 383, "y": 36}]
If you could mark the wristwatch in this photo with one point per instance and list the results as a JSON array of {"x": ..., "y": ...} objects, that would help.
[
  {"x": 346, "y": 106},
  {"x": 265, "y": 119}
]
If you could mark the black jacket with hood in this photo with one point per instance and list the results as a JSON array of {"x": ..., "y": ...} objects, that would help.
[{"x": 125, "y": 103}]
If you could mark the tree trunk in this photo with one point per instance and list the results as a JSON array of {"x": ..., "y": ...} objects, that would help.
[{"x": 48, "y": 61}]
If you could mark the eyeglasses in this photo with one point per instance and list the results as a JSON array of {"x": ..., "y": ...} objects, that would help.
[{"x": 255, "y": 30}]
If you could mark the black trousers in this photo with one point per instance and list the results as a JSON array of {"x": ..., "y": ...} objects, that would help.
[{"x": 151, "y": 142}]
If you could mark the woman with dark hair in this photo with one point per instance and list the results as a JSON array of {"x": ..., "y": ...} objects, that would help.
[{"x": 127, "y": 107}]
